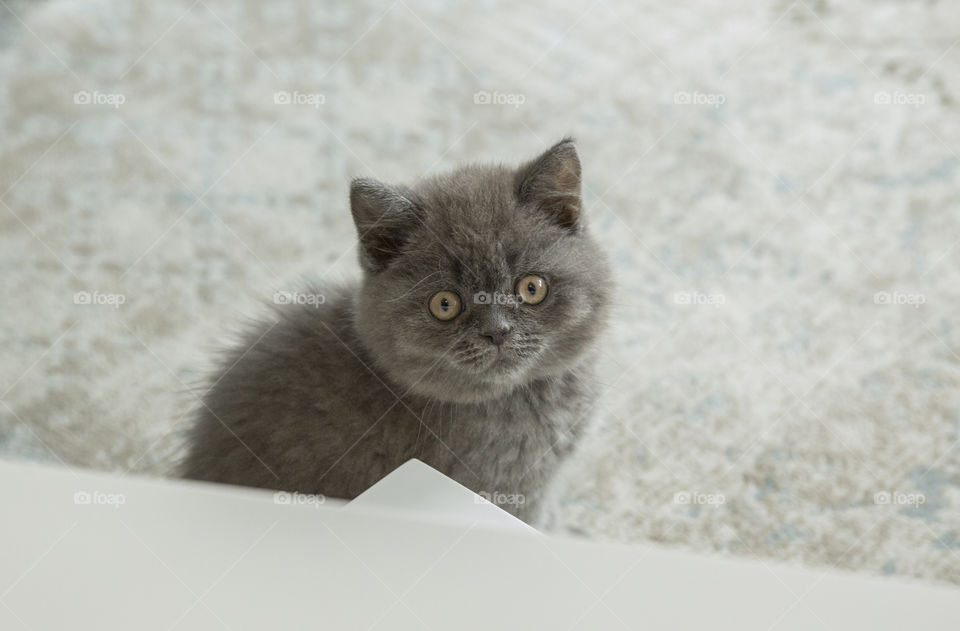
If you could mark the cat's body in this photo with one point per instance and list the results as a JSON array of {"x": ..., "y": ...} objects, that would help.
[
  {"x": 325, "y": 422},
  {"x": 327, "y": 399}
]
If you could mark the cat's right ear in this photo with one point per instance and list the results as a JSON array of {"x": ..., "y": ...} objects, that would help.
[
  {"x": 384, "y": 215},
  {"x": 551, "y": 182}
]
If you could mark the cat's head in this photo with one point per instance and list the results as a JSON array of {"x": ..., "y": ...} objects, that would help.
[{"x": 481, "y": 280}]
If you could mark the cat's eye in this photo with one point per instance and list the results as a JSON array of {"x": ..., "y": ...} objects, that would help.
[
  {"x": 445, "y": 305},
  {"x": 532, "y": 289}
]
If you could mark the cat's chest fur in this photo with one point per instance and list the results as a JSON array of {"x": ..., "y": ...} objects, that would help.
[{"x": 505, "y": 447}]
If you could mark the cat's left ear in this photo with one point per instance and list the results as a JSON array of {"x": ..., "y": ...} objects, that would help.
[
  {"x": 551, "y": 182},
  {"x": 385, "y": 216}
]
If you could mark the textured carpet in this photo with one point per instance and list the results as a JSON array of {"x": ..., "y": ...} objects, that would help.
[{"x": 777, "y": 185}]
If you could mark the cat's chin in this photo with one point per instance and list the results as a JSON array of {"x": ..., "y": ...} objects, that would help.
[
  {"x": 472, "y": 392},
  {"x": 466, "y": 384}
]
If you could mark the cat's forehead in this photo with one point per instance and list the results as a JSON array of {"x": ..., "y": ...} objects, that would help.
[
  {"x": 477, "y": 196},
  {"x": 484, "y": 256},
  {"x": 474, "y": 228}
]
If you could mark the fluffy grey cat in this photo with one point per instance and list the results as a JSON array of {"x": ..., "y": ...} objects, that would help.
[{"x": 469, "y": 344}]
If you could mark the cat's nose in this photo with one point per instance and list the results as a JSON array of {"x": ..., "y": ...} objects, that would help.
[{"x": 497, "y": 335}]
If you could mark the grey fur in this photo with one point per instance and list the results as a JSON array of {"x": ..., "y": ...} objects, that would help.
[{"x": 329, "y": 399}]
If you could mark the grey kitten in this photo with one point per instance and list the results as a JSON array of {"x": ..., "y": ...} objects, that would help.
[{"x": 469, "y": 344}]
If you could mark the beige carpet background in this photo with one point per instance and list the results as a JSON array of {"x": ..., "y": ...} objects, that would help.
[{"x": 777, "y": 184}]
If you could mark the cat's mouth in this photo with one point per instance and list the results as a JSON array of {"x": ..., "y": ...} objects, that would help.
[
  {"x": 501, "y": 360},
  {"x": 474, "y": 370},
  {"x": 497, "y": 363}
]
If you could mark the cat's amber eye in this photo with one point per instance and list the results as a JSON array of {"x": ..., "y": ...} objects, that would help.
[
  {"x": 445, "y": 305},
  {"x": 532, "y": 289}
]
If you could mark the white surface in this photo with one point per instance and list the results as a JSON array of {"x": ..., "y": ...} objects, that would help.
[
  {"x": 416, "y": 487},
  {"x": 187, "y": 555}
]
